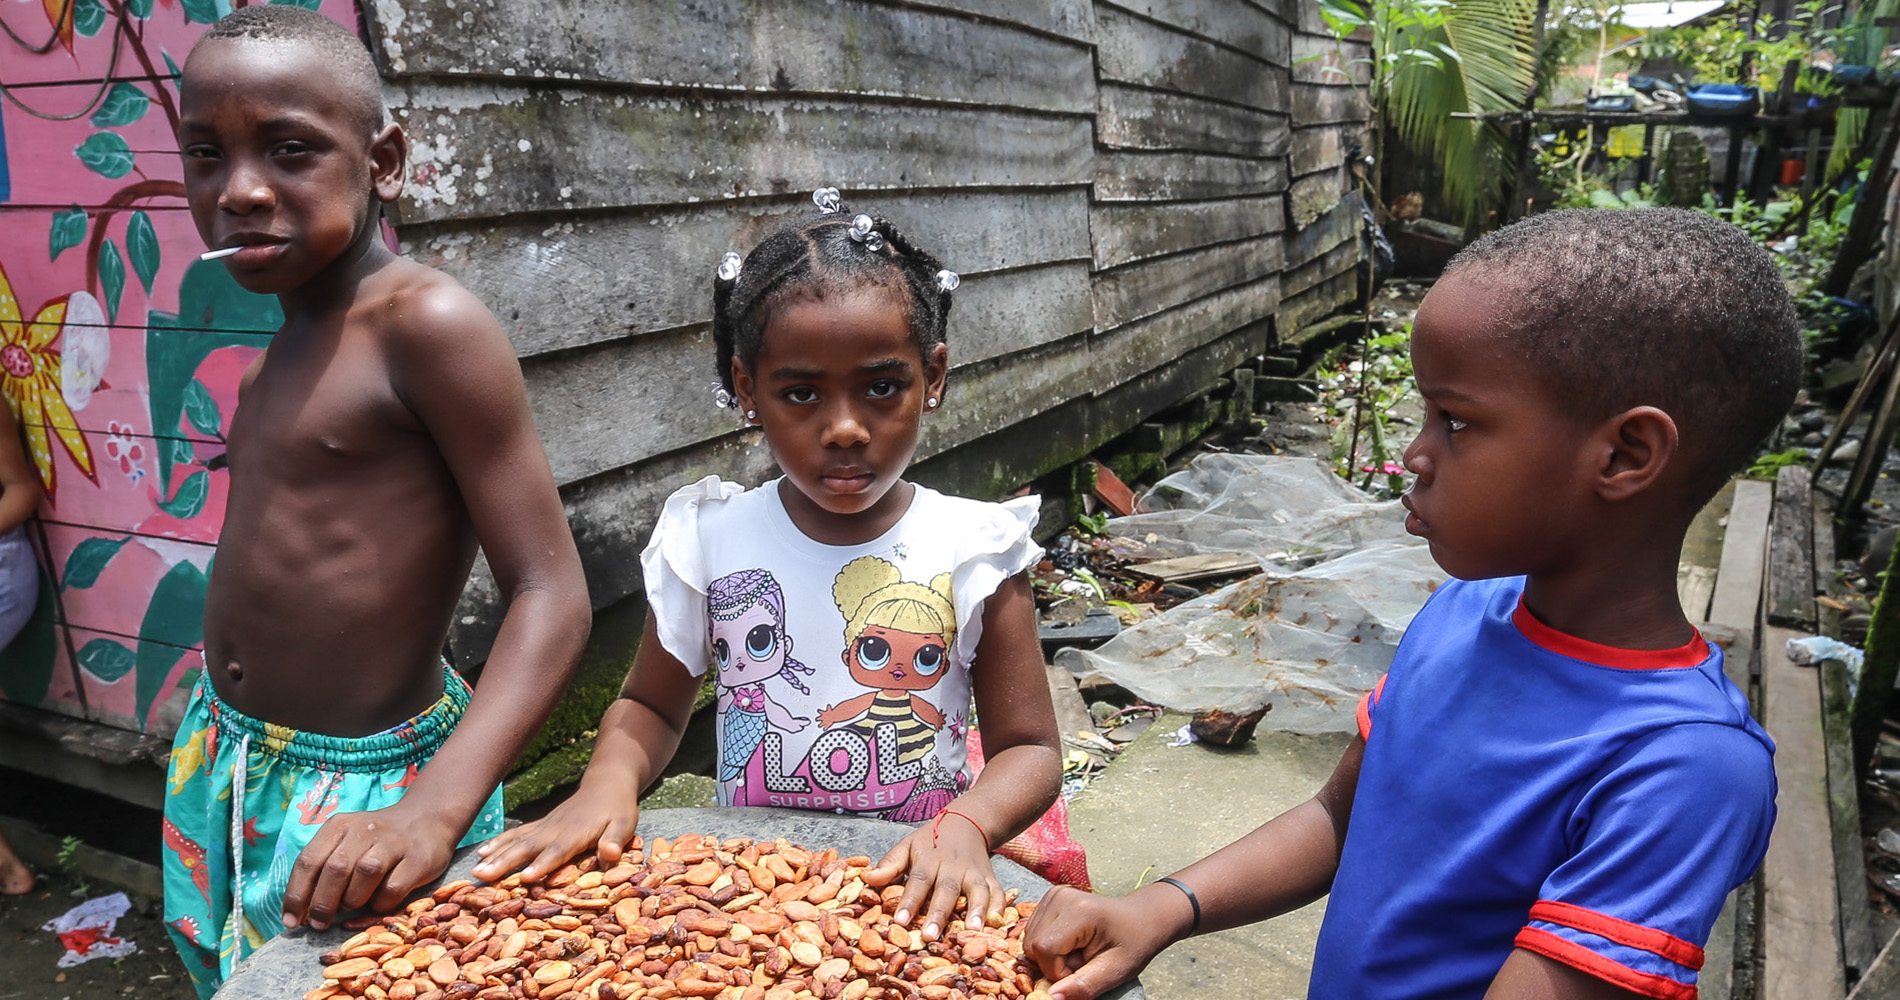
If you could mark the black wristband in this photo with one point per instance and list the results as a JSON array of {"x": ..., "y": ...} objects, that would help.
[{"x": 1193, "y": 901}]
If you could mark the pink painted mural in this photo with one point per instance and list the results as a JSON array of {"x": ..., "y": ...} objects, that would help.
[{"x": 120, "y": 352}]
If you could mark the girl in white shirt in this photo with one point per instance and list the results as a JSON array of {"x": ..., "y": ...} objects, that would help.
[{"x": 850, "y": 616}]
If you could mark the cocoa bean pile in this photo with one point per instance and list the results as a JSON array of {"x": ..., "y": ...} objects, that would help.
[{"x": 696, "y": 917}]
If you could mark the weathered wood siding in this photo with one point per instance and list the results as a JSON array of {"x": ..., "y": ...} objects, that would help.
[
  {"x": 1329, "y": 116},
  {"x": 1111, "y": 180}
]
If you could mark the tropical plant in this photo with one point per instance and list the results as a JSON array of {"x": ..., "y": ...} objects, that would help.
[
  {"x": 1432, "y": 58},
  {"x": 1861, "y": 41}
]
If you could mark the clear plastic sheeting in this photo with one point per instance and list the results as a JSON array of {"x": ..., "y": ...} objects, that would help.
[
  {"x": 1287, "y": 512},
  {"x": 1309, "y": 641}
]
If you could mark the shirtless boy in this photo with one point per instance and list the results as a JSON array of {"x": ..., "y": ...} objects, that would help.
[{"x": 383, "y": 435}]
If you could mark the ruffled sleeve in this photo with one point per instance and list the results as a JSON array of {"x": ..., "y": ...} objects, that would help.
[
  {"x": 997, "y": 546},
  {"x": 673, "y": 565}
]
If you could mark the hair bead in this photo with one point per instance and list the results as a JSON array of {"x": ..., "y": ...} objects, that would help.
[
  {"x": 865, "y": 231},
  {"x": 948, "y": 280},
  {"x": 729, "y": 266},
  {"x": 825, "y": 250}
]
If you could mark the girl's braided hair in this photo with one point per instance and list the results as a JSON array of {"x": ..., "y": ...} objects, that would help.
[{"x": 815, "y": 255}]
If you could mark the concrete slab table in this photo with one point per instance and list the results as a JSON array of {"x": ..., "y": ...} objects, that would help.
[{"x": 288, "y": 966}]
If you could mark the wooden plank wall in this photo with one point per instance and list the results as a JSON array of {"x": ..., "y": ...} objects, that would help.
[
  {"x": 1109, "y": 178},
  {"x": 1323, "y": 205},
  {"x": 1190, "y": 172}
]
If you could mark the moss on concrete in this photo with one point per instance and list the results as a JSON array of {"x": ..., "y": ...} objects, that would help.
[
  {"x": 538, "y": 780},
  {"x": 558, "y": 755},
  {"x": 681, "y": 791},
  {"x": 560, "y": 751}
]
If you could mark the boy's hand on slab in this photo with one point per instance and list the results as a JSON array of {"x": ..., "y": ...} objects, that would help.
[
  {"x": 938, "y": 868},
  {"x": 1091, "y": 944},
  {"x": 367, "y": 859},
  {"x": 589, "y": 820}
]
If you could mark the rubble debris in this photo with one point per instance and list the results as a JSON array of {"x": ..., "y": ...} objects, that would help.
[{"x": 1227, "y": 729}]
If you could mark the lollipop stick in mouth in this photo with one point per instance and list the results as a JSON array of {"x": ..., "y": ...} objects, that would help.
[{"x": 215, "y": 254}]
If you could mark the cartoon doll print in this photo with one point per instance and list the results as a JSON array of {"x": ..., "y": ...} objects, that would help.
[
  {"x": 746, "y": 618},
  {"x": 897, "y": 642}
]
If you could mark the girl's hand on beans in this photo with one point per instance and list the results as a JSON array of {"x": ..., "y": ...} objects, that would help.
[{"x": 938, "y": 865}]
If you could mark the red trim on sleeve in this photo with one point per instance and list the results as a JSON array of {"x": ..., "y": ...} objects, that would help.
[
  {"x": 1687, "y": 655},
  {"x": 1610, "y": 971},
  {"x": 1366, "y": 703},
  {"x": 1622, "y": 932}
]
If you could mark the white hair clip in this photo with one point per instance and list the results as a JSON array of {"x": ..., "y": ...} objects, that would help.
[
  {"x": 948, "y": 280},
  {"x": 722, "y": 398},
  {"x": 862, "y": 231},
  {"x": 826, "y": 199},
  {"x": 729, "y": 266}
]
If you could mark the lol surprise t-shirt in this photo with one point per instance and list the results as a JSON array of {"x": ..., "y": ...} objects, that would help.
[{"x": 843, "y": 670}]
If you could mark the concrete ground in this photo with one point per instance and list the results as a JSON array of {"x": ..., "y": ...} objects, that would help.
[{"x": 1158, "y": 808}]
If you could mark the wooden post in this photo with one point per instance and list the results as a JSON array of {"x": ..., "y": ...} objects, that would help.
[
  {"x": 1810, "y": 168},
  {"x": 1732, "y": 164},
  {"x": 1869, "y": 212},
  {"x": 1876, "y": 369},
  {"x": 1873, "y": 449},
  {"x": 1646, "y": 166},
  {"x": 1527, "y": 131},
  {"x": 1843, "y": 802},
  {"x": 1879, "y": 670}
]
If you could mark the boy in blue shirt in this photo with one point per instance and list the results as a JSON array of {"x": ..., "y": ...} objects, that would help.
[{"x": 1555, "y": 786}]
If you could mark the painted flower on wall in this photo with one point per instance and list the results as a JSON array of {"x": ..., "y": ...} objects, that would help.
[
  {"x": 84, "y": 351},
  {"x": 30, "y": 378},
  {"x": 124, "y": 447}
]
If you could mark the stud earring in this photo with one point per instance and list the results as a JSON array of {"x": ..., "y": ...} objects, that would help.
[
  {"x": 932, "y": 402},
  {"x": 752, "y": 414}
]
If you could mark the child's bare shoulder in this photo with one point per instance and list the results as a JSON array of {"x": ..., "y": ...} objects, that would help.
[{"x": 411, "y": 305}]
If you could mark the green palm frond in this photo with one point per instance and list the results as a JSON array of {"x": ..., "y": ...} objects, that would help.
[{"x": 1486, "y": 66}]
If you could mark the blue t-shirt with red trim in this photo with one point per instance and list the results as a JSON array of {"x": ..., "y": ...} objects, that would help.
[{"x": 1523, "y": 788}]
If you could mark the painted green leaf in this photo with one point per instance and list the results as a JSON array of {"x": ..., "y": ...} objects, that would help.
[
  {"x": 306, "y": 4},
  {"x": 139, "y": 8},
  {"x": 88, "y": 560},
  {"x": 124, "y": 104},
  {"x": 106, "y": 659},
  {"x": 213, "y": 312},
  {"x": 26, "y": 664},
  {"x": 183, "y": 452},
  {"x": 173, "y": 623},
  {"x": 105, "y": 153},
  {"x": 201, "y": 11},
  {"x": 111, "y": 278},
  {"x": 177, "y": 74},
  {"x": 141, "y": 242},
  {"x": 190, "y": 501},
  {"x": 202, "y": 410},
  {"x": 69, "y": 230},
  {"x": 88, "y": 17}
]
